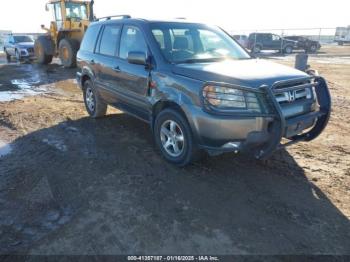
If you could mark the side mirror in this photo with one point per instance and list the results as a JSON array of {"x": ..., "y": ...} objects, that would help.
[{"x": 137, "y": 58}]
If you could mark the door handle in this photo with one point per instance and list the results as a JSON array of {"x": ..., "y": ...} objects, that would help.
[{"x": 117, "y": 69}]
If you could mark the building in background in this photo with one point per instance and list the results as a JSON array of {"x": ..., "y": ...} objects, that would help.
[{"x": 3, "y": 34}]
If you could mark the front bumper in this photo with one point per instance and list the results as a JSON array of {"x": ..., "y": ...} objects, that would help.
[{"x": 261, "y": 134}]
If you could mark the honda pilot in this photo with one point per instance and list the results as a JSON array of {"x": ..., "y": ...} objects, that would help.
[{"x": 198, "y": 89}]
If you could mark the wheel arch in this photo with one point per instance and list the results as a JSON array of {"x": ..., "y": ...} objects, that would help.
[
  {"x": 169, "y": 104},
  {"x": 84, "y": 78},
  {"x": 86, "y": 74}
]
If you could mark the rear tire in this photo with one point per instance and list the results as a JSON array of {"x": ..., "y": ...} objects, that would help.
[
  {"x": 68, "y": 49},
  {"x": 180, "y": 134},
  {"x": 94, "y": 104},
  {"x": 256, "y": 49},
  {"x": 41, "y": 45}
]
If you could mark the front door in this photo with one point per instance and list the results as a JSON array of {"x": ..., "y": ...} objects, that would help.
[
  {"x": 133, "y": 80},
  {"x": 276, "y": 42}
]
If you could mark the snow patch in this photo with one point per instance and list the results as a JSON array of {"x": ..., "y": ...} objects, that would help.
[
  {"x": 25, "y": 89},
  {"x": 56, "y": 143},
  {"x": 7, "y": 96},
  {"x": 5, "y": 149}
]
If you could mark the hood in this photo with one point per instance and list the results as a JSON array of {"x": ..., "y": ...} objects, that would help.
[
  {"x": 25, "y": 45},
  {"x": 251, "y": 72}
]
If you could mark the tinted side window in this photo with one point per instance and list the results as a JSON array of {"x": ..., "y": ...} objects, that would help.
[
  {"x": 109, "y": 40},
  {"x": 132, "y": 40},
  {"x": 89, "y": 40},
  {"x": 275, "y": 38}
]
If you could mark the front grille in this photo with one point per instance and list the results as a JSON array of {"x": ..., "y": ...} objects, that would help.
[
  {"x": 293, "y": 91},
  {"x": 293, "y": 95}
]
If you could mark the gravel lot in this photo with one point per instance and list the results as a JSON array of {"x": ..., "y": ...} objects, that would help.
[{"x": 73, "y": 185}]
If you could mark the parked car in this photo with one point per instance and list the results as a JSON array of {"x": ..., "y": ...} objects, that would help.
[
  {"x": 305, "y": 43},
  {"x": 242, "y": 39},
  {"x": 19, "y": 46},
  {"x": 197, "y": 88},
  {"x": 342, "y": 35},
  {"x": 267, "y": 41}
]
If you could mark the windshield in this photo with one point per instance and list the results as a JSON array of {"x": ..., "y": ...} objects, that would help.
[
  {"x": 76, "y": 10},
  {"x": 186, "y": 43},
  {"x": 22, "y": 39}
]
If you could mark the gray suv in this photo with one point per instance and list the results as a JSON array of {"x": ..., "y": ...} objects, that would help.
[{"x": 198, "y": 89}]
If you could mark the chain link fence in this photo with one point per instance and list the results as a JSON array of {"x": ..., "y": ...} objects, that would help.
[{"x": 277, "y": 39}]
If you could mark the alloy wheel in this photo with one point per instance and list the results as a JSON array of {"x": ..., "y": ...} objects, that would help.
[
  {"x": 172, "y": 138},
  {"x": 90, "y": 99}
]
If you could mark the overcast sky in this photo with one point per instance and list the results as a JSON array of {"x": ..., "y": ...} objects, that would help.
[{"x": 28, "y": 15}]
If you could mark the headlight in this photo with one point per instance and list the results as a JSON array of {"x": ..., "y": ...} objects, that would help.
[{"x": 226, "y": 98}]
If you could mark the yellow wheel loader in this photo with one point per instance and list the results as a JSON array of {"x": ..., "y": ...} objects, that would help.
[{"x": 71, "y": 20}]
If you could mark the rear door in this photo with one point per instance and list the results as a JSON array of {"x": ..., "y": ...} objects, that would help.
[
  {"x": 106, "y": 63},
  {"x": 266, "y": 40},
  {"x": 133, "y": 80}
]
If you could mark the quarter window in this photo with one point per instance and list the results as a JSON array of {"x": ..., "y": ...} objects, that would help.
[
  {"x": 89, "y": 40},
  {"x": 132, "y": 40},
  {"x": 109, "y": 40}
]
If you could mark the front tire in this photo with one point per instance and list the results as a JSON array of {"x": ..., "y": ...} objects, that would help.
[
  {"x": 288, "y": 50},
  {"x": 68, "y": 49},
  {"x": 313, "y": 48},
  {"x": 94, "y": 104},
  {"x": 18, "y": 56},
  {"x": 174, "y": 138},
  {"x": 40, "y": 46}
]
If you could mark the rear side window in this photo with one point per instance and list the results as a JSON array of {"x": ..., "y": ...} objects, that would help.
[
  {"x": 109, "y": 40},
  {"x": 89, "y": 40}
]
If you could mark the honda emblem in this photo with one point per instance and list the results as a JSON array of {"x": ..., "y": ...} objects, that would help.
[{"x": 291, "y": 96}]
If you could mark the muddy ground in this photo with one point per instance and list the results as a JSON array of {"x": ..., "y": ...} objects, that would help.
[{"x": 73, "y": 185}]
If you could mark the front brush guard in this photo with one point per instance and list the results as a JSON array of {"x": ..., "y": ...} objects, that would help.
[{"x": 322, "y": 117}]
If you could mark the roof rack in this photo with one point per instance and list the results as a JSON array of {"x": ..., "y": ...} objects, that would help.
[{"x": 113, "y": 16}]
